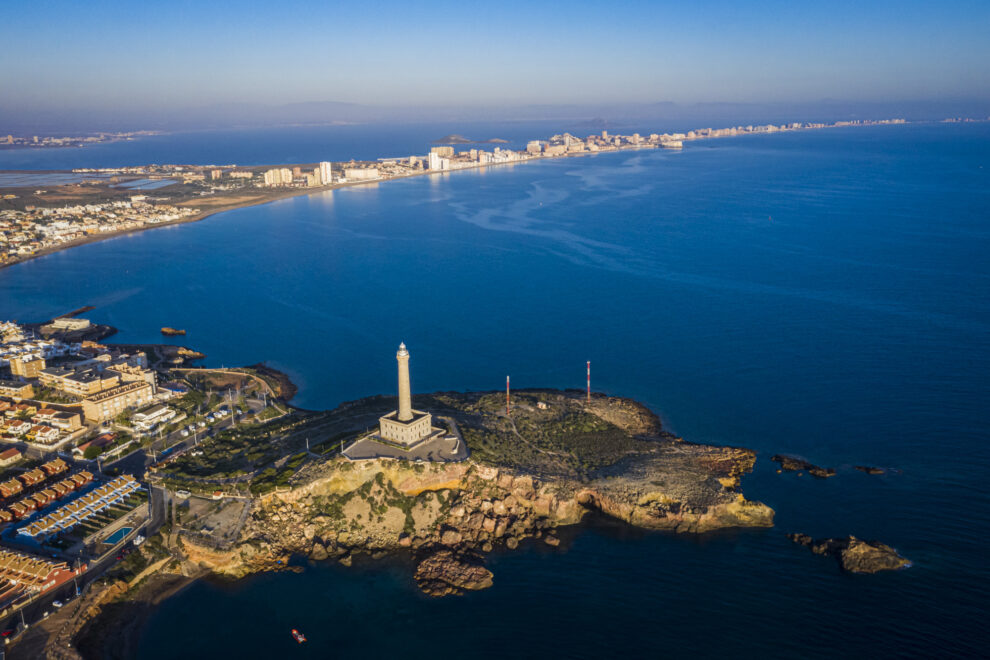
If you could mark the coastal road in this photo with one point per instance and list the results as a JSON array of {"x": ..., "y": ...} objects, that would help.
[{"x": 174, "y": 443}]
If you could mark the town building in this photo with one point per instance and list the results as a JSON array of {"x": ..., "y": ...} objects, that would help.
[
  {"x": 55, "y": 466},
  {"x": 436, "y": 162},
  {"x": 79, "y": 510},
  {"x": 281, "y": 176},
  {"x": 32, "y": 477},
  {"x": 361, "y": 173},
  {"x": 43, "y": 435},
  {"x": 66, "y": 421},
  {"x": 148, "y": 419},
  {"x": 16, "y": 389},
  {"x": 27, "y": 367},
  {"x": 326, "y": 173},
  {"x": 69, "y": 324},
  {"x": 131, "y": 370},
  {"x": 17, "y": 427},
  {"x": 10, "y": 456},
  {"x": 79, "y": 381},
  {"x": 10, "y": 488},
  {"x": 109, "y": 403},
  {"x": 23, "y": 575}
]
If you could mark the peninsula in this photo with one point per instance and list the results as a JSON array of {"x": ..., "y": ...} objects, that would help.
[
  {"x": 211, "y": 471},
  {"x": 43, "y": 212}
]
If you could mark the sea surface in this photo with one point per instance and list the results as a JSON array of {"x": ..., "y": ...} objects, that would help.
[{"x": 821, "y": 293}]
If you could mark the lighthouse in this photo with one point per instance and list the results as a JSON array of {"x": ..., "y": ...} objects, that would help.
[
  {"x": 405, "y": 393},
  {"x": 405, "y": 426},
  {"x": 407, "y": 433}
]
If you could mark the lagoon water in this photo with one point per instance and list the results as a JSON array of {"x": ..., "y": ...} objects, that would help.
[{"x": 819, "y": 293}]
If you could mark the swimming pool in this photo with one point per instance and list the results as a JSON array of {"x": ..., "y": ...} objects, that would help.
[{"x": 119, "y": 535}]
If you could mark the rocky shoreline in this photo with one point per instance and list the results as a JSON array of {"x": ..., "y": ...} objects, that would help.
[
  {"x": 449, "y": 515},
  {"x": 556, "y": 460}
]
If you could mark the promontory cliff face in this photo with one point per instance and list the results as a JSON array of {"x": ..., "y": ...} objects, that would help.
[{"x": 547, "y": 464}]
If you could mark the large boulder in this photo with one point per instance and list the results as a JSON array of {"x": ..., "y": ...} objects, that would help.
[{"x": 446, "y": 573}]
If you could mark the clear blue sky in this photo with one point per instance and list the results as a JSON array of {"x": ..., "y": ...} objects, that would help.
[{"x": 98, "y": 53}]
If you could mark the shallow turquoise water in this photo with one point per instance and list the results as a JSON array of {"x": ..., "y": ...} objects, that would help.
[{"x": 821, "y": 293}]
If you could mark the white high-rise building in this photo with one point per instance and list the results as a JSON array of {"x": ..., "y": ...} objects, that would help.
[
  {"x": 326, "y": 173},
  {"x": 278, "y": 177}
]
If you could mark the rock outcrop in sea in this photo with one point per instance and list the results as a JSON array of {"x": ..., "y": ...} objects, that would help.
[
  {"x": 795, "y": 464},
  {"x": 855, "y": 555}
]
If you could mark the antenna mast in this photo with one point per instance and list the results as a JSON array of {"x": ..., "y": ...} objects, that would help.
[{"x": 589, "y": 381}]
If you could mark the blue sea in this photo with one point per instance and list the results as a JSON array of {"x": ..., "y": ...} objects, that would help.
[{"x": 820, "y": 293}]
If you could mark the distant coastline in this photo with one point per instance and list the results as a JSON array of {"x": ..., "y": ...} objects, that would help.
[
  {"x": 259, "y": 196},
  {"x": 52, "y": 142}
]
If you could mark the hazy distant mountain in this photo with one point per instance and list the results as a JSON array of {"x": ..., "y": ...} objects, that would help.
[{"x": 595, "y": 117}]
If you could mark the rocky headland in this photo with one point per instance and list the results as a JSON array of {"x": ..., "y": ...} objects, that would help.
[{"x": 548, "y": 464}]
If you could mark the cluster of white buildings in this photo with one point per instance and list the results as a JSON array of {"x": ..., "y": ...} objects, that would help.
[
  {"x": 29, "y": 422},
  {"x": 19, "y": 346},
  {"x": 444, "y": 158},
  {"x": 23, "y": 233},
  {"x": 284, "y": 177},
  {"x": 101, "y": 382},
  {"x": 75, "y": 512}
]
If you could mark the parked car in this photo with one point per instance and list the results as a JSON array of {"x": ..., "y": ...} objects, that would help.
[{"x": 185, "y": 433}]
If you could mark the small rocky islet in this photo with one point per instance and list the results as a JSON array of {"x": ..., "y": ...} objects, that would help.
[
  {"x": 796, "y": 464},
  {"x": 855, "y": 555},
  {"x": 800, "y": 465}
]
